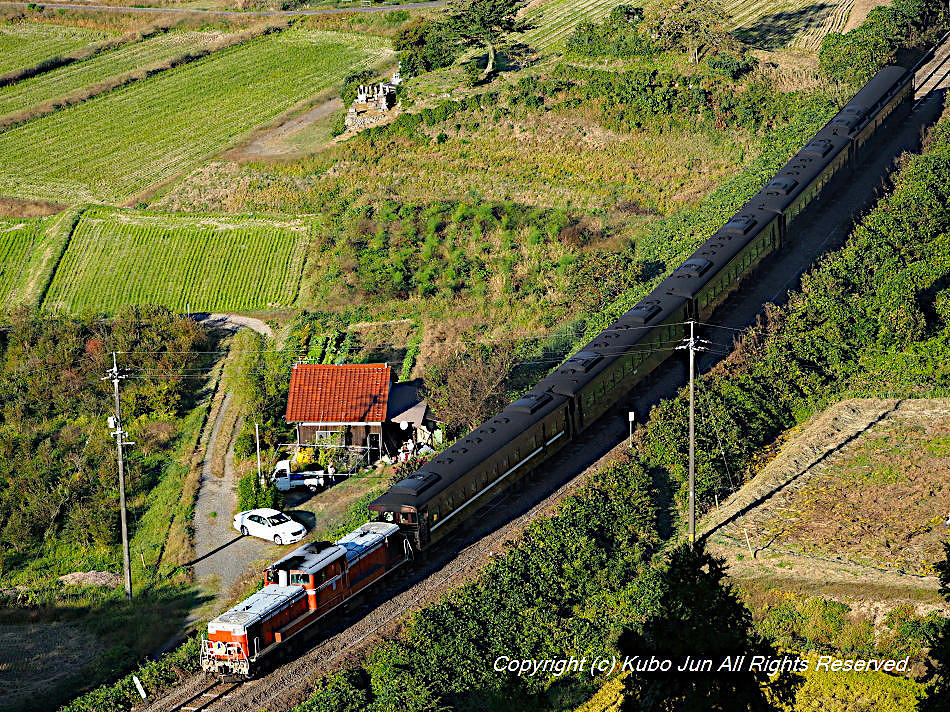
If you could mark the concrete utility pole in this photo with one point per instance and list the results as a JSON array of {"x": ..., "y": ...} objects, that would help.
[
  {"x": 115, "y": 422},
  {"x": 692, "y": 343}
]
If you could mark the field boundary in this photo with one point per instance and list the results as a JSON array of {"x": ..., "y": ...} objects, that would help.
[
  {"x": 129, "y": 77},
  {"x": 73, "y": 216}
]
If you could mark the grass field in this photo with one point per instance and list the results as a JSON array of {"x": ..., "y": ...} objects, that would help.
[
  {"x": 118, "y": 257},
  {"x": 73, "y": 77},
  {"x": 775, "y": 24},
  {"x": 113, "y": 147},
  {"x": 24, "y": 44}
]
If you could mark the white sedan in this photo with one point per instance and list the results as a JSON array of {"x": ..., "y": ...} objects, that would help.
[{"x": 269, "y": 524}]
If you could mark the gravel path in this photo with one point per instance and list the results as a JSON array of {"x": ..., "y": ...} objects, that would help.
[
  {"x": 221, "y": 553},
  {"x": 232, "y": 322}
]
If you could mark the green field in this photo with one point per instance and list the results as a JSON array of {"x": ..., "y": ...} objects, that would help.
[
  {"x": 29, "y": 250},
  {"x": 76, "y": 76},
  {"x": 201, "y": 263},
  {"x": 26, "y": 43},
  {"x": 113, "y": 147}
]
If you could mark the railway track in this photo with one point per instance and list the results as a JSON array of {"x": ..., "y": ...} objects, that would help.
[
  {"x": 376, "y": 614},
  {"x": 932, "y": 71},
  {"x": 202, "y": 700}
]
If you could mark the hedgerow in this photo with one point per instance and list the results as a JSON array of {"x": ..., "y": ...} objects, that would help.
[{"x": 853, "y": 57}]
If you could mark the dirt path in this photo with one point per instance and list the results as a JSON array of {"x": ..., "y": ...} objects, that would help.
[
  {"x": 271, "y": 143},
  {"x": 221, "y": 553},
  {"x": 233, "y": 322}
]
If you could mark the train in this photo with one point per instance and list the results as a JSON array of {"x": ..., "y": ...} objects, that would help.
[{"x": 418, "y": 511}]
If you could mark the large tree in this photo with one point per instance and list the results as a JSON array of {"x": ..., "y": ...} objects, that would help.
[
  {"x": 695, "y": 26},
  {"x": 699, "y": 616},
  {"x": 485, "y": 23}
]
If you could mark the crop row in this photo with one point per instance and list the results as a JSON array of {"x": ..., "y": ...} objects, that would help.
[
  {"x": 114, "y": 146},
  {"x": 73, "y": 77},
  {"x": 116, "y": 258},
  {"x": 17, "y": 242},
  {"x": 557, "y": 19},
  {"x": 27, "y": 43},
  {"x": 792, "y": 23}
]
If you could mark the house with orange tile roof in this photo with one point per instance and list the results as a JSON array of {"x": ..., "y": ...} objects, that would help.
[{"x": 361, "y": 403}]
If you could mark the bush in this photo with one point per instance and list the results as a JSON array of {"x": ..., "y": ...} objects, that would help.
[{"x": 855, "y": 56}]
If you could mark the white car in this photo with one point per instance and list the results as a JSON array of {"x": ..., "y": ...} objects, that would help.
[{"x": 269, "y": 524}]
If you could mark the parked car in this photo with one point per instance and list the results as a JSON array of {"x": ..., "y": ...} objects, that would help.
[{"x": 269, "y": 524}]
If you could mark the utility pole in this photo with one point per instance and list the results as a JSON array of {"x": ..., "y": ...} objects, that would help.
[
  {"x": 115, "y": 422},
  {"x": 693, "y": 345}
]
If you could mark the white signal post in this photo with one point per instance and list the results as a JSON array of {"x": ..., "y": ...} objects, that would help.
[{"x": 115, "y": 423}]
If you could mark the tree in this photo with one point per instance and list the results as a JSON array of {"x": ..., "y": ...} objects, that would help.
[
  {"x": 424, "y": 46},
  {"x": 695, "y": 26},
  {"x": 701, "y": 617},
  {"x": 485, "y": 23},
  {"x": 466, "y": 386}
]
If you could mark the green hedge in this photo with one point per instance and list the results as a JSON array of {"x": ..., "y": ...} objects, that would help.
[{"x": 853, "y": 57}]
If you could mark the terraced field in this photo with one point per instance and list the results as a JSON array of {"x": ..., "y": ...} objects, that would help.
[
  {"x": 556, "y": 20},
  {"x": 800, "y": 24},
  {"x": 201, "y": 263},
  {"x": 73, "y": 77},
  {"x": 768, "y": 24},
  {"x": 26, "y": 43},
  {"x": 113, "y": 147},
  {"x": 29, "y": 251}
]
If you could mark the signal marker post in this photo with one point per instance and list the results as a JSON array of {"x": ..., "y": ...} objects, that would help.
[{"x": 115, "y": 423}]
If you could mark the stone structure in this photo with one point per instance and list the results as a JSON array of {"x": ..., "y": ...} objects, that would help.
[{"x": 373, "y": 104}]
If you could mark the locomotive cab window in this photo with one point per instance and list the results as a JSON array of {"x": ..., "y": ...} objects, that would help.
[{"x": 299, "y": 579}]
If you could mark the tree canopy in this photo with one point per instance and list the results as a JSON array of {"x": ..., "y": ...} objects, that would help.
[{"x": 699, "y": 616}]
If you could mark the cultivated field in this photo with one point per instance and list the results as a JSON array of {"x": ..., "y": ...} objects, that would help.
[
  {"x": 26, "y": 43},
  {"x": 199, "y": 263},
  {"x": 113, "y": 147},
  {"x": 29, "y": 250},
  {"x": 557, "y": 19},
  {"x": 775, "y": 24},
  {"x": 79, "y": 75},
  {"x": 768, "y": 24},
  {"x": 863, "y": 484}
]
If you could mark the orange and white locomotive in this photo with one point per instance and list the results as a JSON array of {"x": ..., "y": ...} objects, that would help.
[{"x": 299, "y": 590}]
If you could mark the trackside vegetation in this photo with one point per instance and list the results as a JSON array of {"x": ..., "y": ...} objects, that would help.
[
  {"x": 59, "y": 487},
  {"x": 576, "y": 579},
  {"x": 853, "y": 57}
]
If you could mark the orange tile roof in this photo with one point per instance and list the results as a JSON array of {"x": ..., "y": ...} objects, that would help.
[{"x": 349, "y": 393}]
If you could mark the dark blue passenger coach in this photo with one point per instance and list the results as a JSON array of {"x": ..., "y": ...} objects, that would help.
[{"x": 541, "y": 422}]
